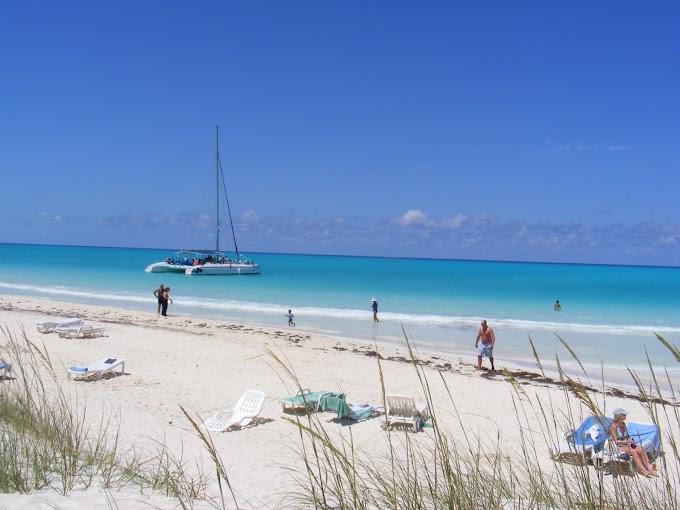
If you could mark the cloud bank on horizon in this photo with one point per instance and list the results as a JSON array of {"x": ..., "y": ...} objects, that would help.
[{"x": 415, "y": 233}]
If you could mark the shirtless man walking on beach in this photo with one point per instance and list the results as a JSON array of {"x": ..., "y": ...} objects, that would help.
[{"x": 486, "y": 349}]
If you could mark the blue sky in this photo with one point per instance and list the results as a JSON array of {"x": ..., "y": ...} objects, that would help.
[{"x": 537, "y": 131}]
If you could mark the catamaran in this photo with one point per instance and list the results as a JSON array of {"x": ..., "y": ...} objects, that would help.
[{"x": 209, "y": 262}]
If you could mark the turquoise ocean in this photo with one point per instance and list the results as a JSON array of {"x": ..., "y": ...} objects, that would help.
[{"x": 609, "y": 313}]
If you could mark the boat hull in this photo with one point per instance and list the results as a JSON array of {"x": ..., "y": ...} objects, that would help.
[
  {"x": 164, "y": 267},
  {"x": 223, "y": 269}
]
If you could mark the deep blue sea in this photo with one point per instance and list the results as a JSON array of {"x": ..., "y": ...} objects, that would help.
[{"x": 609, "y": 313}]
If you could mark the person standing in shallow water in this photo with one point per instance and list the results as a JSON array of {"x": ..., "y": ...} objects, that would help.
[
  {"x": 558, "y": 306},
  {"x": 374, "y": 305},
  {"x": 486, "y": 349},
  {"x": 166, "y": 298},
  {"x": 159, "y": 295}
]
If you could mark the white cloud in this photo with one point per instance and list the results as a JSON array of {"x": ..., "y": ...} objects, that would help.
[
  {"x": 203, "y": 221},
  {"x": 565, "y": 148},
  {"x": 457, "y": 221},
  {"x": 617, "y": 148},
  {"x": 413, "y": 217},
  {"x": 250, "y": 216},
  {"x": 483, "y": 219},
  {"x": 54, "y": 219}
]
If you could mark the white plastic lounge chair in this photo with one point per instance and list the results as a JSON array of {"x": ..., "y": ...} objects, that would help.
[
  {"x": 87, "y": 331},
  {"x": 5, "y": 367},
  {"x": 71, "y": 332},
  {"x": 52, "y": 326},
  {"x": 84, "y": 330},
  {"x": 304, "y": 398},
  {"x": 98, "y": 369},
  {"x": 247, "y": 408},
  {"x": 68, "y": 324},
  {"x": 47, "y": 326},
  {"x": 402, "y": 409}
]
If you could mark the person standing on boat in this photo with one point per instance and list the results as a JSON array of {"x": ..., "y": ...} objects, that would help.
[
  {"x": 159, "y": 295},
  {"x": 374, "y": 305},
  {"x": 166, "y": 298}
]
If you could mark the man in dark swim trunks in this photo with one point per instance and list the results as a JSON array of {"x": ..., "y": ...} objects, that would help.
[
  {"x": 159, "y": 295},
  {"x": 166, "y": 298}
]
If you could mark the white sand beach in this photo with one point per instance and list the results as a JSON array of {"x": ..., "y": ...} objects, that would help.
[{"x": 206, "y": 365}]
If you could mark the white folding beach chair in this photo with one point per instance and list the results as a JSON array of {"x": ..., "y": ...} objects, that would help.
[
  {"x": 87, "y": 331},
  {"x": 84, "y": 331},
  {"x": 68, "y": 324},
  {"x": 52, "y": 326},
  {"x": 46, "y": 326},
  {"x": 5, "y": 367},
  {"x": 99, "y": 369},
  {"x": 247, "y": 408},
  {"x": 71, "y": 332},
  {"x": 402, "y": 409}
]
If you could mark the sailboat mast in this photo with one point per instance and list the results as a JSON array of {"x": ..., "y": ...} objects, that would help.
[
  {"x": 217, "y": 185},
  {"x": 220, "y": 173}
]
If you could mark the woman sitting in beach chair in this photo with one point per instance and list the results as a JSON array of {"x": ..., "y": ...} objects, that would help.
[{"x": 619, "y": 435}]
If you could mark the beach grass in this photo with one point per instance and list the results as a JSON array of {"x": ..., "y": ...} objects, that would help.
[
  {"x": 468, "y": 469},
  {"x": 46, "y": 444}
]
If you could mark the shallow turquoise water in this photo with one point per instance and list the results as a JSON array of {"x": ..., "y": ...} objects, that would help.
[{"x": 608, "y": 313}]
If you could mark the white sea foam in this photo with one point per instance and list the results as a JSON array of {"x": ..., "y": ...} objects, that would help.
[{"x": 219, "y": 307}]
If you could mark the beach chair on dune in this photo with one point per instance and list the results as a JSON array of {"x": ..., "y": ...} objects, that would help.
[
  {"x": 247, "y": 408},
  {"x": 304, "y": 399},
  {"x": 403, "y": 410},
  {"x": 5, "y": 368},
  {"x": 583, "y": 444},
  {"x": 97, "y": 370},
  {"x": 58, "y": 326},
  {"x": 355, "y": 412}
]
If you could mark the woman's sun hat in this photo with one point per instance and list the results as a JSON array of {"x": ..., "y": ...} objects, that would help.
[{"x": 618, "y": 411}]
